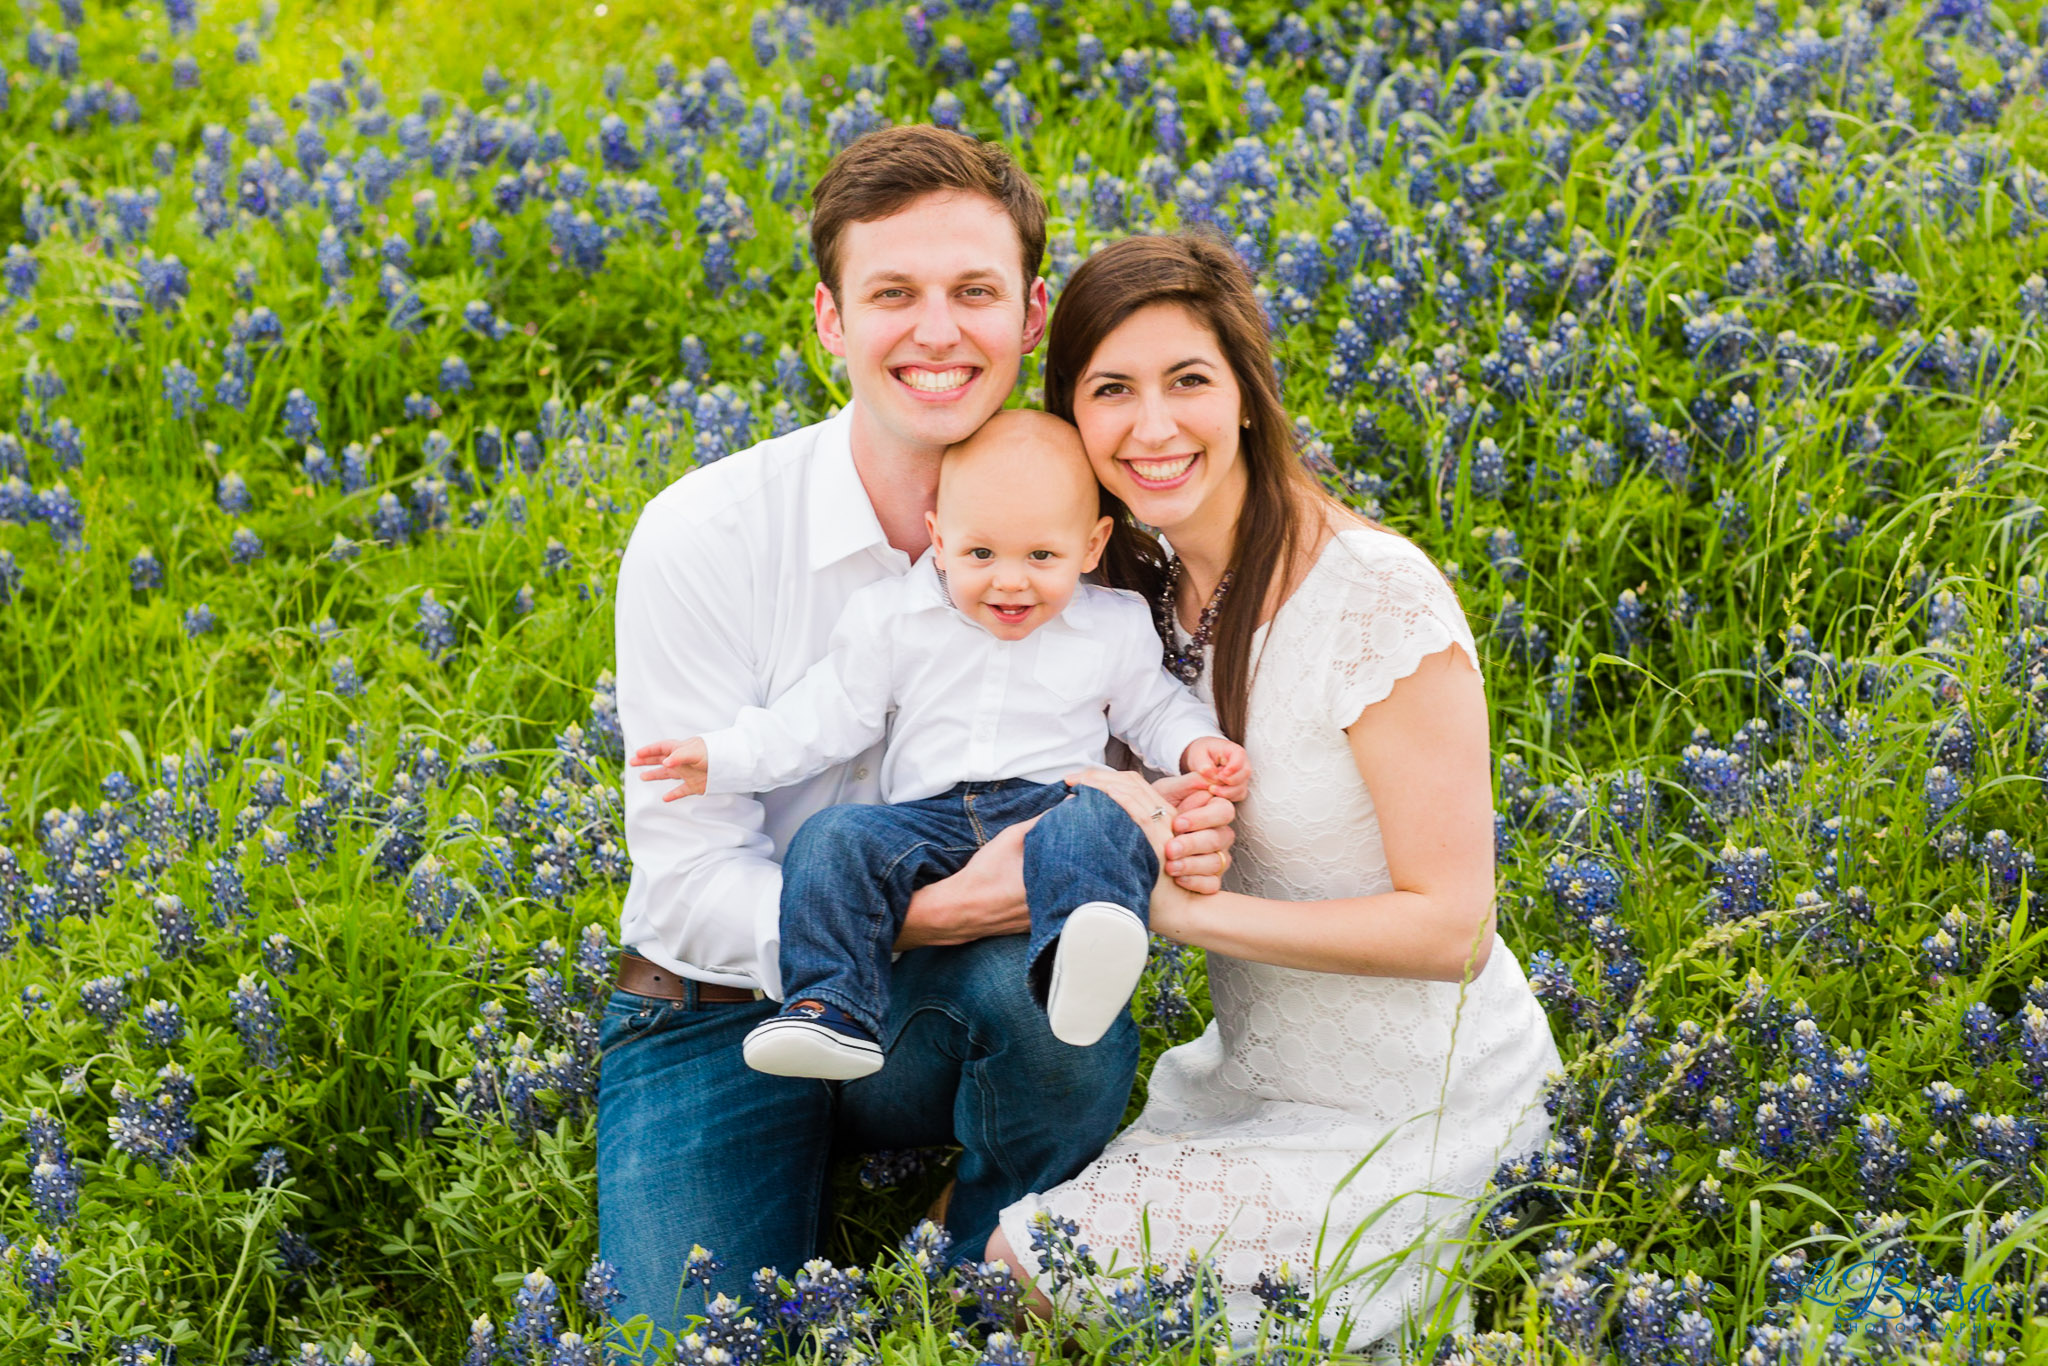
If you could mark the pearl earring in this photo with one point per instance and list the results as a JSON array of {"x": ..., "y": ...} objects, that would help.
[{"x": 1246, "y": 423}]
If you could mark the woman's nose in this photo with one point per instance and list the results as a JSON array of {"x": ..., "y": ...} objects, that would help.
[{"x": 1155, "y": 425}]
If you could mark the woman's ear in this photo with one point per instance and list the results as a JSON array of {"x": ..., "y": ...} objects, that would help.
[{"x": 1098, "y": 541}]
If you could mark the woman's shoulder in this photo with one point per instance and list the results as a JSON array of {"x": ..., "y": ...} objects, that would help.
[{"x": 1372, "y": 559}]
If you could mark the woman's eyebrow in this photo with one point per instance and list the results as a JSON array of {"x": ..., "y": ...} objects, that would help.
[{"x": 1172, "y": 369}]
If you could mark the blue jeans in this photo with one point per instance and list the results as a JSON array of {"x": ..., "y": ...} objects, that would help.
[
  {"x": 694, "y": 1146},
  {"x": 849, "y": 872}
]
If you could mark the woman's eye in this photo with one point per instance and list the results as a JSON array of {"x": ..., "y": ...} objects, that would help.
[{"x": 1199, "y": 379}]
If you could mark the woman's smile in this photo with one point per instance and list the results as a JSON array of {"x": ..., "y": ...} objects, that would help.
[{"x": 1161, "y": 471}]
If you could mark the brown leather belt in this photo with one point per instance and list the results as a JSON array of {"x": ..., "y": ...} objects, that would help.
[{"x": 645, "y": 977}]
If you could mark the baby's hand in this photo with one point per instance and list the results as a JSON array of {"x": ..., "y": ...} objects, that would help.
[
  {"x": 1223, "y": 764},
  {"x": 681, "y": 759}
]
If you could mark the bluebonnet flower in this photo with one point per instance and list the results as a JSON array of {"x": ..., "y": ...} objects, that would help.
[
  {"x": 232, "y": 494},
  {"x": 1941, "y": 792},
  {"x": 455, "y": 377},
  {"x": 199, "y": 620},
  {"x": 181, "y": 389},
  {"x": 41, "y": 1270},
  {"x": 177, "y": 933},
  {"x": 301, "y": 417},
  {"x": 1504, "y": 551},
  {"x": 52, "y": 1188},
  {"x": 390, "y": 523},
  {"x": 145, "y": 571},
  {"x": 257, "y": 1021},
  {"x": 244, "y": 546},
  {"x": 105, "y": 999},
  {"x": 343, "y": 677},
  {"x": 1894, "y": 297},
  {"x": 436, "y": 627}
]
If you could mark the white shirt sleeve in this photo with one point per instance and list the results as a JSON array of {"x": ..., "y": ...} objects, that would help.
[
  {"x": 837, "y": 709},
  {"x": 685, "y": 666},
  {"x": 1153, "y": 712}
]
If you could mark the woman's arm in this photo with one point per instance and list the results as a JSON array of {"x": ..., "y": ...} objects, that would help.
[{"x": 1422, "y": 751}]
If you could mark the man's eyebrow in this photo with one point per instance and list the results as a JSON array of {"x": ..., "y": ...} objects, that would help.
[
  {"x": 899, "y": 277},
  {"x": 1171, "y": 370}
]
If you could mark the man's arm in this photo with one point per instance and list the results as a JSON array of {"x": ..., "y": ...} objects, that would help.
[{"x": 685, "y": 667}]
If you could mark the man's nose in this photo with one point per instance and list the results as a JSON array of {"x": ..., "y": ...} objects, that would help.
[{"x": 936, "y": 330}]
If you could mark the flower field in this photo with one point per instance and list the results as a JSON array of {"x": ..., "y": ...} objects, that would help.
[{"x": 1703, "y": 346}]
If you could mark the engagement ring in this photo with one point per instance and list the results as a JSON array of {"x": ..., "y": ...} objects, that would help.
[{"x": 1160, "y": 812}]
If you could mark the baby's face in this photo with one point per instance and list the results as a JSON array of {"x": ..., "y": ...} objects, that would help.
[{"x": 1014, "y": 551}]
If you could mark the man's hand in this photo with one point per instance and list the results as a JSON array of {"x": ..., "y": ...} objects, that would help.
[
  {"x": 1192, "y": 838},
  {"x": 1222, "y": 764},
  {"x": 985, "y": 898},
  {"x": 684, "y": 760}
]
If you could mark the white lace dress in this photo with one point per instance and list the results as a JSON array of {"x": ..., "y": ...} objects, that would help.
[{"x": 1303, "y": 1077}]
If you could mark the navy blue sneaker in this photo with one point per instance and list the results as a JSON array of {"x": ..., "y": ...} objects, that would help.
[{"x": 812, "y": 1039}]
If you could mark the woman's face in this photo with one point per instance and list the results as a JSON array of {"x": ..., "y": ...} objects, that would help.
[{"x": 1158, "y": 408}]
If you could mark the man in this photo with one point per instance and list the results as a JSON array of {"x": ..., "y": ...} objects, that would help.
[{"x": 928, "y": 246}]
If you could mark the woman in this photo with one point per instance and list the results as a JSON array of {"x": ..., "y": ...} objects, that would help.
[{"x": 1367, "y": 1015}]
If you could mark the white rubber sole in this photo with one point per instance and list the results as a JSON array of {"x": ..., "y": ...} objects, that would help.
[
  {"x": 800, "y": 1048},
  {"x": 1095, "y": 967}
]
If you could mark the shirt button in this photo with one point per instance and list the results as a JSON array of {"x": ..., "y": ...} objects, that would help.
[{"x": 860, "y": 773}]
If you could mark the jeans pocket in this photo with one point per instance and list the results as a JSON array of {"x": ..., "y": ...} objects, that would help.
[{"x": 627, "y": 1015}]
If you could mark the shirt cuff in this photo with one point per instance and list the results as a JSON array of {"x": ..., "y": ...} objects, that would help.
[
  {"x": 728, "y": 763},
  {"x": 1178, "y": 738}
]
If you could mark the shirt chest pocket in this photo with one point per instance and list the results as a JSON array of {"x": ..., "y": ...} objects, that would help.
[{"x": 1070, "y": 668}]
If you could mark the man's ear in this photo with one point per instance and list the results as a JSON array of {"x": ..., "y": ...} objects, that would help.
[
  {"x": 831, "y": 335},
  {"x": 1037, "y": 303},
  {"x": 1098, "y": 541}
]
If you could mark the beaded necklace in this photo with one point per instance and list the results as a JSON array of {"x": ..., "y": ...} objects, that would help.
[{"x": 1186, "y": 664}]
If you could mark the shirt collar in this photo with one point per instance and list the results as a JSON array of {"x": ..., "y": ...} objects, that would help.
[{"x": 842, "y": 519}]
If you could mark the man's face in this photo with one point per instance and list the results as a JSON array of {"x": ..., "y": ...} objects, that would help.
[{"x": 932, "y": 319}]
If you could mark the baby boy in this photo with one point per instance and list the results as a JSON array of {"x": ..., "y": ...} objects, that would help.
[{"x": 1003, "y": 673}]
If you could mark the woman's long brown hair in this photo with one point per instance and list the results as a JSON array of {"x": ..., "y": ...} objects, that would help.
[{"x": 1282, "y": 502}]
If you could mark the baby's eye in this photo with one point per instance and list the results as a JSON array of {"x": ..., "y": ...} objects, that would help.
[
  {"x": 1041, "y": 555},
  {"x": 982, "y": 552}
]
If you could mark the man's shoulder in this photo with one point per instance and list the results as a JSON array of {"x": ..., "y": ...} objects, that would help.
[{"x": 756, "y": 483}]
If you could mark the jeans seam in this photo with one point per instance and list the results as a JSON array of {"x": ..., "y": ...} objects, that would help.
[{"x": 980, "y": 834}]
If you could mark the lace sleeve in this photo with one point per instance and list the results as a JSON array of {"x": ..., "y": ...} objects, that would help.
[{"x": 1391, "y": 608}]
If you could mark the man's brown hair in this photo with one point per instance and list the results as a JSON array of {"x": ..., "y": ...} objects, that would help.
[{"x": 883, "y": 172}]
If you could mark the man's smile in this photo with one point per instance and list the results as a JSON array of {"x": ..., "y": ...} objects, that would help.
[{"x": 933, "y": 382}]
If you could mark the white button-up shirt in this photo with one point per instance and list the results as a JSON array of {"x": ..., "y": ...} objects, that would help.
[
  {"x": 960, "y": 704},
  {"x": 730, "y": 587}
]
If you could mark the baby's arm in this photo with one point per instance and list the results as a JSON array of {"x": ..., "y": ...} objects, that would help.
[
  {"x": 837, "y": 709},
  {"x": 1160, "y": 717}
]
